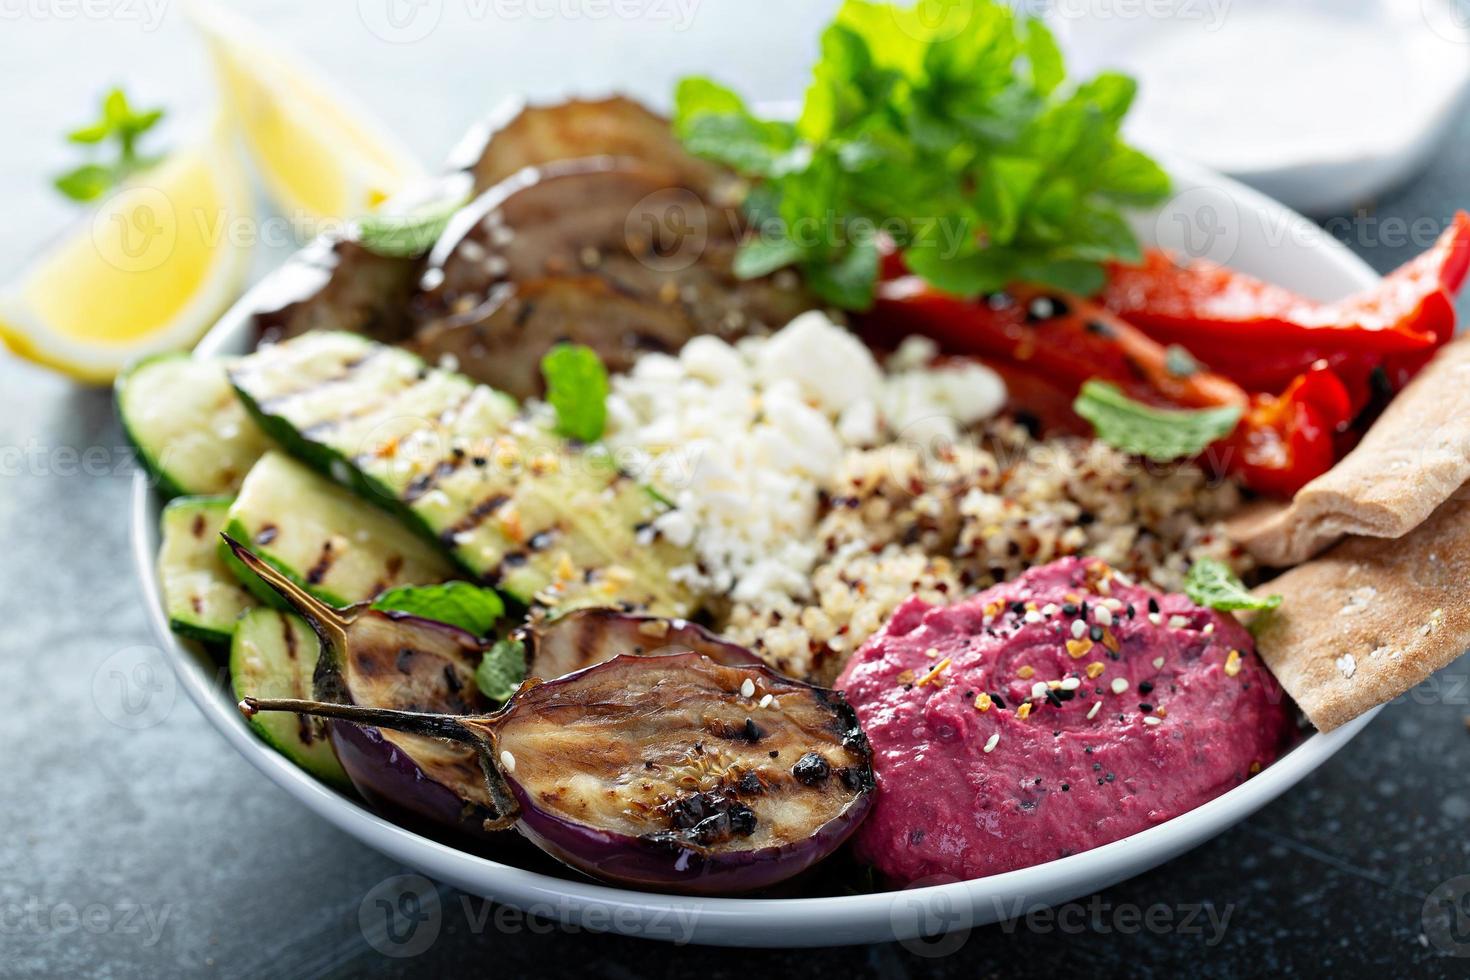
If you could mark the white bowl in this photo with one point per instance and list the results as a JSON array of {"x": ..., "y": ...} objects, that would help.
[{"x": 1207, "y": 215}]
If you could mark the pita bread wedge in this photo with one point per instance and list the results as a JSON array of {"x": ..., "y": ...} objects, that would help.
[
  {"x": 1371, "y": 618},
  {"x": 1413, "y": 458}
]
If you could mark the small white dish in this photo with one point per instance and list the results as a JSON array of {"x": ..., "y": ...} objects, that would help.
[
  {"x": 1320, "y": 104},
  {"x": 1207, "y": 215}
]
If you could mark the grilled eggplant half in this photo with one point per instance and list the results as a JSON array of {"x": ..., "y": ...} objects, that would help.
[
  {"x": 674, "y": 772},
  {"x": 532, "y": 136},
  {"x": 396, "y": 661},
  {"x": 614, "y": 253},
  {"x": 586, "y": 637},
  {"x": 337, "y": 284}
]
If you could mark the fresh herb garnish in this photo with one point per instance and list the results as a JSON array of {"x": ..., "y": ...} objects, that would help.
[
  {"x": 120, "y": 125},
  {"x": 469, "y": 607},
  {"x": 1211, "y": 583},
  {"x": 501, "y": 670},
  {"x": 407, "y": 235},
  {"x": 1157, "y": 433},
  {"x": 576, "y": 386},
  {"x": 947, "y": 130}
]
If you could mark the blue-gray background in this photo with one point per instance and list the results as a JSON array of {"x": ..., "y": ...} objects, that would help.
[{"x": 131, "y": 852}]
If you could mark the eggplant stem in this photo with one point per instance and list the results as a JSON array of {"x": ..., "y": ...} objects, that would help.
[
  {"x": 325, "y": 617},
  {"x": 412, "y": 722}
]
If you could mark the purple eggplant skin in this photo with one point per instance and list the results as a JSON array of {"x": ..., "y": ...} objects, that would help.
[
  {"x": 585, "y": 637},
  {"x": 397, "y": 661},
  {"x": 722, "y": 780}
]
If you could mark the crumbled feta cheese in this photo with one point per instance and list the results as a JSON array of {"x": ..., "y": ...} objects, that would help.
[{"x": 744, "y": 438}]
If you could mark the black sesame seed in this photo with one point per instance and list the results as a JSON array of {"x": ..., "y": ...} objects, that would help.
[
  {"x": 1153, "y": 605},
  {"x": 1069, "y": 609},
  {"x": 1145, "y": 686},
  {"x": 1066, "y": 788},
  {"x": 1145, "y": 707},
  {"x": 1095, "y": 634}
]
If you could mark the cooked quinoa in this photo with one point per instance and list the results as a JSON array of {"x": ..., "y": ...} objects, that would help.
[{"x": 901, "y": 520}]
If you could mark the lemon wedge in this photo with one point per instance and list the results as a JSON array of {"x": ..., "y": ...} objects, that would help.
[
  {"x": 150, "y": 270},
  {"x": 319, "y": 154}
]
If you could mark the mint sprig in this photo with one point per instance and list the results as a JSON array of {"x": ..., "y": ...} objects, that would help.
[
  {"x": 576, "y": 387},
  {"x": 1212, "y": 584},
  {"x": 119, "y": 127},
  {"x": 469, "y": 607},
  {"x": 501, "y": 670},
  {"x": 409, "y": 234},
  {"x": 951, "y": 130},
  {"x": 1156, "y": 433}
]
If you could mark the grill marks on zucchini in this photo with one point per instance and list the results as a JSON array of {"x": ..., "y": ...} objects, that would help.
[
  {"x": 542, "y": 518},
  {"x": 325, "y": 538},
  {"x": 201, "y": 597}
]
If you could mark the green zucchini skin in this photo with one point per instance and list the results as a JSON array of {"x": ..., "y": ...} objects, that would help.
[
  {"x": 328, "y": 541},
  {"x": 274, "y": 654},
  {"x": 546, "y": 521},
  {"x": 190, "y": 432},
  {"x": 202, "y": 598}
]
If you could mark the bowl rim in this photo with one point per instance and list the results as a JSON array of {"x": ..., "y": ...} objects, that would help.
[{"x": 820, "y": 920}]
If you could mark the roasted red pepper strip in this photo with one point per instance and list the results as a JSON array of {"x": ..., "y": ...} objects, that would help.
[
  {"x": 1213, "y": 310},
  {"x": 1283, "y": 442},
  {"x": 1062, "y": 338}
]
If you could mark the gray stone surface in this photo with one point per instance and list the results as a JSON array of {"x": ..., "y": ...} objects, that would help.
[{"x": 150, "y": 851}]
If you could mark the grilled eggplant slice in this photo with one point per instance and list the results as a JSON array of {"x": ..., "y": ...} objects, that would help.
[
  {"x": 532, "y": 136},
  {"x": 336, "y": 284},
  {"x": 395, "y": 661},
  {"x": 674, "y": 773},
  {"x": 540, "y": 518},
  {"x": 191, "y": 432},
  {"x": 324, "y": 538},
  {"x": 202, "y": 599},
  {"x": 586, "y": 637},
  {"x": 616, "y": 254}
]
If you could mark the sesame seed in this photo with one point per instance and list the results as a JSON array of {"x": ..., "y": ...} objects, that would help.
[
  {"x": 765, "y": 702},
  {"x": 1158, "y": 663},
  {"x": 1050, "y": 609},
  {"x": 747, "y": 688},
  {"x": 1177, "y": 622},
  {"x": 1033, "y": 617},
  {"x": 1209, "y": 628},
  {"x": 932, "y": 652},
  {"x": 507, "y": 761},
  {"x": 1232, "y": 663},
  {"x": 1155, "y": 618},
  {"x": 1150, "y": 720},
  {"x": 1078, "y": 629},
  {"x": 1092, "y": 711},
  {"x": 992, "y": 742},
  {"x": 1070, "y": 683},
  {"x": 1104, "y": 616},
  {"x": 1038, "y": 690},
  {"x": 1119, "y": 685}
]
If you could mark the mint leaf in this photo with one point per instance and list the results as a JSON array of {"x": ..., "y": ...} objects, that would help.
[
  {"x": 1212, "y": 584},
  {"x": 501, "y": 670},
  {"x": 119, "y": 125},
  {"x": 408, "y": 235},
  {"x": 86, "y": 183},
  {"x": 576, "y": 386},
  {"x": 760, "y": 257},
  {"x": 469, "y": 607},
  {"x": 1159, "y": 434}
]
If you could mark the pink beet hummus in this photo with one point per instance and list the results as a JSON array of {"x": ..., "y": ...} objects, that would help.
[{"x": 1005, "y": 734}]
